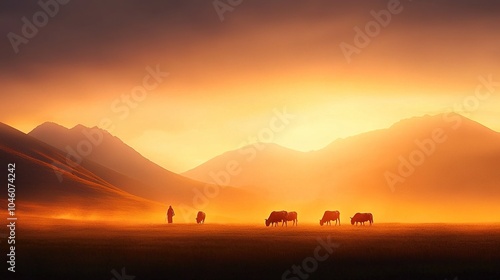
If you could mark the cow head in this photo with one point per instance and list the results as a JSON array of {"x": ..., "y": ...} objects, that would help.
[
  {"x": 352, "y": 221},
  {"x": 267, "y": 222},
  {"x": 321, "y": 222}
]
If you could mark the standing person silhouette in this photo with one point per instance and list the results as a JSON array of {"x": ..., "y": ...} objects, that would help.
[{"x": 170, "y": 214}]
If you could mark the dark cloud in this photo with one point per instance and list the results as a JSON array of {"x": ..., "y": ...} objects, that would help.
[
  {"x": 86, "y": 31},
  {"x": 99, "y": 33}
]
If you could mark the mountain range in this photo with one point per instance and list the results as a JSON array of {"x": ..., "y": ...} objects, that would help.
[
  {"x": 65, "y": 173},
  {"x": 431, "y": 168},
  {"x": 441, "y": 168}
]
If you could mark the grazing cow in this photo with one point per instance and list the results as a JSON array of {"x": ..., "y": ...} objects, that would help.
[
  {"x": 291, "y": 216},
  {"x": 200, "y": 218},
  {"x": 362, "y": 218},
  {"x": 275, "y": 217},
  {"x": 330, "y": 216}
]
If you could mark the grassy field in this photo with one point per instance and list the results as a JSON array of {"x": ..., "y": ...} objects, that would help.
[{"x": 381, "y": 251}]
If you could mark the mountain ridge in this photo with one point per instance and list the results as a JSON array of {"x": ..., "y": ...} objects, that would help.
[
  {"x": 146, "y": 179},
  {"x": 71, "y": 194},
  {"x": 456, "y": 152},
  {"x": 439, "y": 161}
]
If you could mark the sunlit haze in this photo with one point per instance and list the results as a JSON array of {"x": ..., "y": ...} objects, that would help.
[
  {"x": 250, "y": 139},
  {"x": 226, "y": 78}
]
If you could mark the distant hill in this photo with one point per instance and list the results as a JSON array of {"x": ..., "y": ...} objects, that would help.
[
  {"x": 50, "y": 185},
  {"x": 441, "y": 168},
  {"x": 72, "y": 192},
  {"x": 360, "y": 173},
  {"x": 270, "y": 171},
  {"x": 98, "y": 145}
]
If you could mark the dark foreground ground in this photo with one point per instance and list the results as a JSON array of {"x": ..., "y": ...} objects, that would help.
[{"x": 383, "y": 251}]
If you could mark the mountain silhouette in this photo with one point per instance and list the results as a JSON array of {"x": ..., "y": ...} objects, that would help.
[
  {"x": 441, "y": 168},
  {"x": 47, "y": 187},
  {"x": 453, "y": 179},
  {"x": 98, "y": 145},
  {"x": 109, "y": 159}
]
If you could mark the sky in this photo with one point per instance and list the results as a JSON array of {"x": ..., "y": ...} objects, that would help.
[{"x": 297, "y": 73}]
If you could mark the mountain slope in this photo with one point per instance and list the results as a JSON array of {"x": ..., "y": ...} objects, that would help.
[
  {"x": 74, "y": 192},
  {"x": 97, "y": 145},
  {"x": 419, "y": 168},
  {"x": 264, "y": 168},
  {"x": 111, "y": 160}
]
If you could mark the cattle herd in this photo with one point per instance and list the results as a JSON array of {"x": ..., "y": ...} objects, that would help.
[{"x": 284, "y": 217}]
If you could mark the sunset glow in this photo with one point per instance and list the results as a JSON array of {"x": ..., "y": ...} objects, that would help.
[
  {"x": 227, "y": 78},
  {"x": 250, "y": 139}
]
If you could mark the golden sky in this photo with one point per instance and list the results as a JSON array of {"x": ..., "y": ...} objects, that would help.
[{"x": 228, "y": 79}]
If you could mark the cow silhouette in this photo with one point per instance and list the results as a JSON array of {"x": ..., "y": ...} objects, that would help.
[
  {"x": 330, "y": 216},
  {"x": 200, "y": 218},
  {"x": 362, "y": 218},
  {"x": 275, "y": 217},
  {"x": 291, "y": 217}
]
